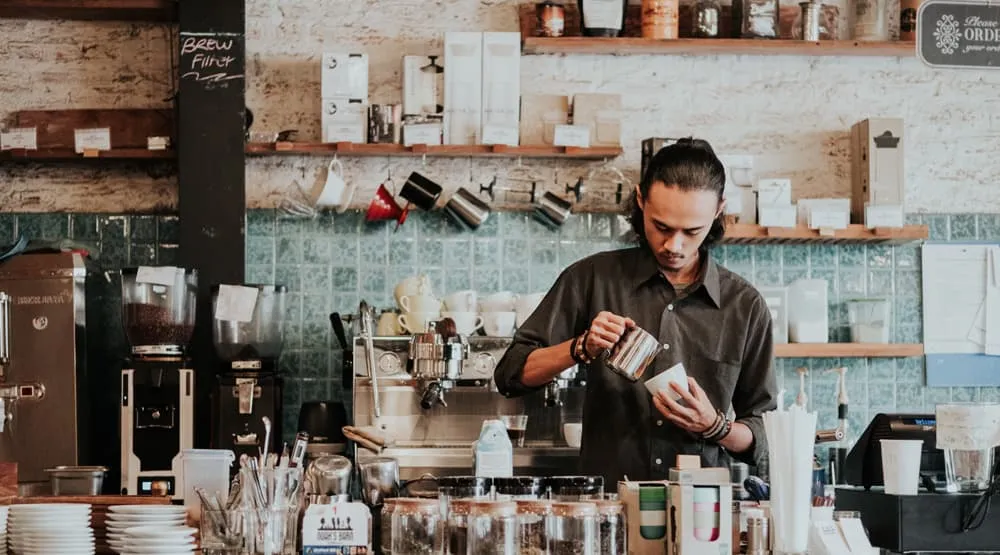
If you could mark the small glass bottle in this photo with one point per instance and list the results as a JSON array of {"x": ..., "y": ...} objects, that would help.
[
  {"x": 755, "y": 19},
  {"x": 573, "y": 529},
  {"x": 706, "y": 17},
  {"x": 415, "y": 523},
  {"x": 457, "y": 528},
  {"x": 532, "y": 525},
  {"x": 492, "y": 527},
  {"x": 612, "y": 528},
  {"x": 551, "y": 19}
]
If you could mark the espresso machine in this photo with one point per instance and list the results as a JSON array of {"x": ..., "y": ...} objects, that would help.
[
  {"x": 431, "y": 401},
  {"x": 44, "y": 409},
  {"x": 246, "y": 331},
  {"x": 157, "y": 402}
]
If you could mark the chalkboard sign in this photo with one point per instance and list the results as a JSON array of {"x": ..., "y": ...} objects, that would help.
[
  {"x": 212, "y": 59},
  {"x": 959, "y": 34}
]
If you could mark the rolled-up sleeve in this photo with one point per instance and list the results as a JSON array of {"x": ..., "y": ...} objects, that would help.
[
  {"x": 561, "y": 315},
  {"x": 756, "y": 389}
]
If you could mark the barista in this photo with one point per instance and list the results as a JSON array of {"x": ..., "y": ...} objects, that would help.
[{"x": 708, "y": 318}]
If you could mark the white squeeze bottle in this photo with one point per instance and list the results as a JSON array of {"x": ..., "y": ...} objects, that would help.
[{"x": 493, "y": 452}]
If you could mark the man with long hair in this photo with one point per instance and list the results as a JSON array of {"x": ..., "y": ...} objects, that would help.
[{"x": 708, "y": 318}]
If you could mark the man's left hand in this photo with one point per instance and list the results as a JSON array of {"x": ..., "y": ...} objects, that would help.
[{"x": 697, "y": 416}]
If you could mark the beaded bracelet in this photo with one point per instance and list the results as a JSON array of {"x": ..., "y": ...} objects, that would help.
[{"x": 574, "y": 350}]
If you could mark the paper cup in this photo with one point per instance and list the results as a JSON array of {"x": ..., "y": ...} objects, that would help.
[
  {"x": 901, "y": 465},
  {"x": 661, "y": 382}
]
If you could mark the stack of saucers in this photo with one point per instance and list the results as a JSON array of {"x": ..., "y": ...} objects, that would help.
[
  {"x": 158, "y": 540},
  {"x": 4, "y": 510},
  {"x": 49, "y": 528},
  {"x": 123, "y": 519}
]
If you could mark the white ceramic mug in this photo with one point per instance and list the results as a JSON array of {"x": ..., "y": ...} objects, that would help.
[
  {"x": 413, "y": 286},
  {"x": 461, "y": 301},
  {"x": 499, "y": 324},
  {"x": 416, "y": 322},
  {"x": 419, "y": 303},
  {"x": 466, "y": 323},
  {"x": 335, "y": 191},
  {"x": 502, "y": 301},
  {"x": 524, "y": 305},
  {"x": 388, "y": 325}
]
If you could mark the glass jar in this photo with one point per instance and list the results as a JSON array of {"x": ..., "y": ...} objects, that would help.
[
  {"x": 871, "y": 20},
  {"x": 492, "y": 527},
  {"x": 755, "y": 19},
  {"x": 532, "y": 526},
  {"x": 385, "y": 526},
  {"x": 456, "y": 530},
  {"x": 706, "y": 18},
  {"x": 519, "y": 487},
  {"x": 611, "y": 527},
  {"x": 415, "y": 523},
  {"x": 573, "y": 529},
  {"x": 576, "y": 488}
]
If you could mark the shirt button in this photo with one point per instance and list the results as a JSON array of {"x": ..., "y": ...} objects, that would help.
[
  {"x": 670, "y": 307},
  {"x": 658, "y": 461},
  {"x": 666, "y": 346},
  {"x": 659, "y": 422}
]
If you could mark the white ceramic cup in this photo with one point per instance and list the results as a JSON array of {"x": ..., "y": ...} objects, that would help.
[
  {"x": 524, "y": 305},
  {"x": 461, "y": 301},
  {"x": 419, "y": 303},
  {"x": 388, "y": 325},
  {"x": 662, "y": 381},
  {"x": 497, "y": 302},
  {"x": 334, "y": 192},
  {"x": 901, "y": 465},
  {"x": 416, "y": 322},
  {"x": 413, "y": 286},
  {"x": 499, "y": 324},
  {"x": 573, "y": 433},
  {"x": 466, "y": 323}
]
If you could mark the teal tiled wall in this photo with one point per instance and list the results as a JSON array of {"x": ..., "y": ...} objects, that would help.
[{"x": 333, "y": 261}]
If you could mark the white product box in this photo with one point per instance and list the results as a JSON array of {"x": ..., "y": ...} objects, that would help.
[
  {"x": 501, "y": 102},
  {"x": 774, "y": 191},
  {"x": 884, "y": 215},
  {"x": 777, "y": 303},
  {"x": 344, "y": 120},
  {"x": 824, "y": 213},
  {"x": 463, "y": 87},
  {"x": 422, "y": 134},
  {"x": 776, "y": 215},
  {"x": 344, "y": 75}
]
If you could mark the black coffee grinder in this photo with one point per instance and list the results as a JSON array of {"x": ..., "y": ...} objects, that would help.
[
  {"x": 247, "y": 335},
  {"x": 157, "y": 395}
]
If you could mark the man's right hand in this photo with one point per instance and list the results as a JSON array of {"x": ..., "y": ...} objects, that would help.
[{"x": 605, "y": 331}]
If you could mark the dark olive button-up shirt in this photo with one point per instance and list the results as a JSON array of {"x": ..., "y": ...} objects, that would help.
[{"x": 719, "y": 328}]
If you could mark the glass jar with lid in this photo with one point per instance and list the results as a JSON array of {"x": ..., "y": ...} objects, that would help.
[
  {"x": 519, "y": 487},
  {"x": 576, "y": 488},
  {"x": 456, "y": 530},
  {"x": 532, "y": 526},
  {"x": 573, "y": 529},
  {"x": 611, "y": 527},
  {"x": 415, "y": 523},
  {"x": 492, "y": 527},
  {"x": 385, "y": 526}
]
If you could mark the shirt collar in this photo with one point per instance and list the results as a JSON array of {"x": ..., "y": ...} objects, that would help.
[{"x": 646, "y": 268}]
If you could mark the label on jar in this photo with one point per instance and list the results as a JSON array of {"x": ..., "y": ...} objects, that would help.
[
  {"x": 603, "y": 14},
  {"x": 236, "y": 303},
  {"x": 156, "y": 275}
]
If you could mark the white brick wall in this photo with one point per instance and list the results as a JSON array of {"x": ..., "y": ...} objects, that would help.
[{"x": 793, "y": 113}]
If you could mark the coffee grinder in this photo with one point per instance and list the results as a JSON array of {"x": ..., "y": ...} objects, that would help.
[
  {"x": 247, "y": 335},
  {"x": 157, "y": 403}
]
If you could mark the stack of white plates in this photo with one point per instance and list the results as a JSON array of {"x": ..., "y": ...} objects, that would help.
[
  {"x": 149, "y": 530},
  {"x": 4, "y": 511},
  {"x": 45, "y": 529}
]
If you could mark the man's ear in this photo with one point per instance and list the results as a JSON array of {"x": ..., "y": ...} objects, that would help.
[{"x": 639, "y": 199}]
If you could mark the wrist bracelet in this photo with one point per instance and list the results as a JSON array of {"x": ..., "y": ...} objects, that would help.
[
  {"x": 584, "y": 355},
  {"x": 574, "y": 350},
  {"x": 714, "y": 428},
  {"x": 720, "y": 431}
]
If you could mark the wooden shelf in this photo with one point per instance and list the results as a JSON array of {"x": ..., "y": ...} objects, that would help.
[
  {"x": 707, "y": 47},
  {"x": 120, "y": 10},
  {"x": 855, "y": 233},
  {"x": 848, "y": 350},
  {"x": 67, "y": 154},
  {"x": 453, "y": 151}
]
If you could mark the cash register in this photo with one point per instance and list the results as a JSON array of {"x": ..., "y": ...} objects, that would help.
[{"x": 931, "y": 521}]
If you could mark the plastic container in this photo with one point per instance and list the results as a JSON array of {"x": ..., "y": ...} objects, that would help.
[
  {"x": 869, "y": 320},
  {"x": 158, "y": 308},
  {"x": 258, "y": 338},
  {"x": 207, "y": 469},
  {"x": 808, "y": 318}
]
